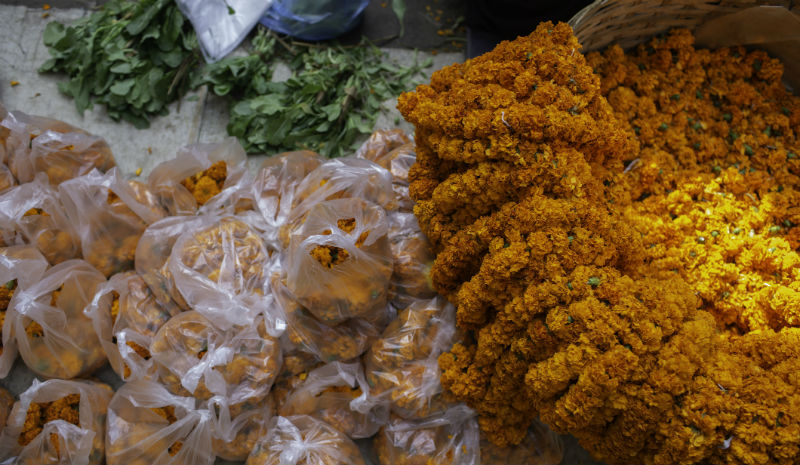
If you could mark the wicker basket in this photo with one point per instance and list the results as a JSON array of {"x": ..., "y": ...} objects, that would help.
[{"x": 631, "y": 22}]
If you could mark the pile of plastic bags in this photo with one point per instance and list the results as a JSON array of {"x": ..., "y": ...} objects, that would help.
[{"x": 272, "y": 317}]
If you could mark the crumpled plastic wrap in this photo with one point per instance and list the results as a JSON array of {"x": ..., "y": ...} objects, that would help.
[
  {"x": 49, "y": 325},
  {"x": 340, "y": 342},
  {"x": 337, "y": 394},
  {"x": 220, "y": 267},
  {"x": 346, "y": 177},
  {"x": 20, "y": 267},
  {"x": 201, "y": 176},
  {"x": 412, "y": 257},
  {"x": 273, "y": 189},
  {"x": 394, "y": 151},
  {"x": 221, "y": 25},
  {"x": 235, "y": 436},
  {"x": 32, "y": 213},
  {"x": 74, "y": 432},
  {"x": 152, "y": 257},
  {"x": 447, "y": 438},
  {"x": 42, "y": 145},
  {"x": 401, "y": 365},
  {"x": 149, "y": 425},
  {"x": 303, "y": 440},
  {"x": 109, "y": 214},
  {"x": 126, "y": 317},
  {"x": 196, "y": 358},
  {"x": 339, "y": 262}
]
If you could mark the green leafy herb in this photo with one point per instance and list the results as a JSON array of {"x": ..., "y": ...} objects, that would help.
[
  {"x": 132, "y": 57},
  {"x": 331, "y": 100}
]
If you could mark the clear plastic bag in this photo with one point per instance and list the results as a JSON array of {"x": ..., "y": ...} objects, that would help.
[
  {"x": 220, "y": 267},
  {"x": 303, "y": 440},
  {"x": 346, "y": 177},
  {"x": 152, "y": 257},
  {"x": 110, "y": 214},
  {"x": 6, "y": 404},
  {"x": 380, "y": 143},
  {"x": 541, "y": 446},
  {"x": 235, "y": 437},
  {"x": 57, "y": 422},
  {"x": 273, "y": 189},
  {"x": 20, "y": 267},
  {"x": 317, "y": 20},
  {"x": 32, "y": 213},
  {"x": 196, "y": 358},
  {"x": 222, "y": 24},
  {"x": 296, "y": 366},
  {"x": 148, "y": 425},
  {"x": 200, "y": 176},
  {"x": 331, "y": 393},
  {"x": 62, "y": 152},
  {"x": 398, "y": 161},
  {"x": 7, "y": 180},
  {"x": 447, "y": 438},
  {"x": 126, "y": 317},
  {"x": 339, "y": 262},
  {"x": 4, "y": 133},
  {"x": 54, "y": 336},
  {"x": 401, "y": 366},
  {"x": 344, "y": 341},
  {"x": 412, "y": 257}
]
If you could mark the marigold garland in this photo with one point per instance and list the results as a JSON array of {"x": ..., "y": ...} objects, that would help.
[{"x": 618, "y": 234}]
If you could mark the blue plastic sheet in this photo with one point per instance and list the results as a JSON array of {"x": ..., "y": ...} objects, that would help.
[{"x": 314, "y": 19}]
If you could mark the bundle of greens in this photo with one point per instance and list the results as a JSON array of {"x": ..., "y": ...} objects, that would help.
[
  {"x": 134, "y": 57},
  {"x": 330, "y": 101}
]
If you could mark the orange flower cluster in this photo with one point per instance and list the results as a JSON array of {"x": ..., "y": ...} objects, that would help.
[{"x": 549, "y": 209}]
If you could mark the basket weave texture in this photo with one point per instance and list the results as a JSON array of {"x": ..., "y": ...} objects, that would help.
[{"x": 631, "y": 22}]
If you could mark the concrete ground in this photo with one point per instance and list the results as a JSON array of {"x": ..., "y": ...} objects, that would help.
[{"x": 201, "y": 117}]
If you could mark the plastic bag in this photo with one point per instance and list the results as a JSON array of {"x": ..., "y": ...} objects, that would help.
[
  {"x": 314, "y": 20},
  {"x": 221, "y": 25},
  {"x": 398, "y": 161},
  {"x": 196, "y": 358},
  {"x": 6, "y": 403},
  {"x": 380, "y": 143},
  {"x": 339, "y": 262},
  {"x": 20, "y": 267},
  {"x": 448, "y": 438},
  {"x": 148, "y": 425},
  {"x": 126, "y": 317},
  {"x": 7, "y": 180},
  {"x": 4, "y": 132},
  {"x": 541, "y": 446},
  {"x": 54, "y": 336},
  {"x": 273, "y": 189},
  {"x": 344, "y": 341},
  {"x": 32, "y": 213},
  {"x": 110, "y": 214},
  {"x": 296, "y": 366},
  {"x": 201, "y": 175},
  {"x": 412, "y": 257},
  {"x": 336, "y": 394},
  {"x": 61, "y": 151},
  {"x": 57, "y": 422},
  {"x": 220, "y": 267},
  {"x": 303, "y": 440},
  {"x": 235, "y": 437},
  {"x": 401, "y": 366},
  {"x": 152, "y": 257},
  {"x": 346, "y": 177}
]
